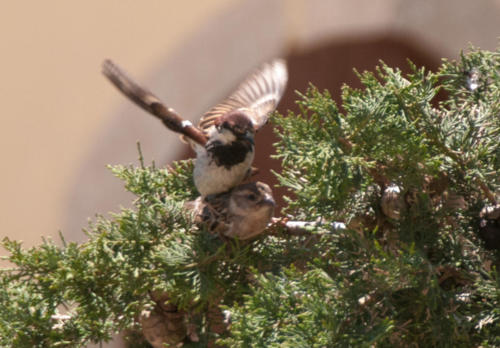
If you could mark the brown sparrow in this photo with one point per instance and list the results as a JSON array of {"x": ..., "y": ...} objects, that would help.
[
  {"x": 243, "y": 213},
  {"x": 224, "y": 138}
]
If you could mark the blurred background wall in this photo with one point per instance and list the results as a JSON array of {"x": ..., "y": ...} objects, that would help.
[{"x": 62, "y": 122}]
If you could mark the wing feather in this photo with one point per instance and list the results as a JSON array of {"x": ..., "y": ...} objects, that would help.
[
  {"x": 151, "y": 103},
  {"x": 257, "y": 96}
]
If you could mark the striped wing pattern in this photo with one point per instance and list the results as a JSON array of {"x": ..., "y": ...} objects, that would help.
[
  {"x": 139, "y": 95},
  {"x": 149, "y": 102},
  {"x": 257, "y": 96}
]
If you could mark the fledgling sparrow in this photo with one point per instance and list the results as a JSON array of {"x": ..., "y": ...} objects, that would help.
[
  {"x": 243, "y": 213},
  {"x": 224, "y": 138}
]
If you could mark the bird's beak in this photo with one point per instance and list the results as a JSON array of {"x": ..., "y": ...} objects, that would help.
[
  {"x": 249, "y": 136},
  {"x": 268, "y": 200}
]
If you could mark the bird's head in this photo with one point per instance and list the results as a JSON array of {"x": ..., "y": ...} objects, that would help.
[
  {"x": 254, "y": 198},
  {"x": 236, "y": 123}
]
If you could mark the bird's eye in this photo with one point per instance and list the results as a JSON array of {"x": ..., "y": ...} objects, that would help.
[
  {"x": 251, "y": 197},
  {"x": 225, "y": 124}
]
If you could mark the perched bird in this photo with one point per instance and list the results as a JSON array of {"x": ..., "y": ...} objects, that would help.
[
  {"x": 242, "y": 212},
  {"x": 224, "y": 138}
]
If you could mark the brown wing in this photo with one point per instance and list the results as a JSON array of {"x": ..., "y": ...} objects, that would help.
[
  {"x": 149, "y": 102},
  {"x": 211, "y": 211},
  {"x": 257, "y": 96}
]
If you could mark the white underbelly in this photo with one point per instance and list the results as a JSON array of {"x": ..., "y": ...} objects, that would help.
[{"x": 210, "y": 178}]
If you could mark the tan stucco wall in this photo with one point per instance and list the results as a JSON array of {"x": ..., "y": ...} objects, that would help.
[{"x": 53, "y": 100}]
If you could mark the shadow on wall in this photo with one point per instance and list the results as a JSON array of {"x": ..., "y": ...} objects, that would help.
[{"x": 330, "y": 66}]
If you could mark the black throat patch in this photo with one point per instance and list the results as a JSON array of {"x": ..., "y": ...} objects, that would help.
[{"x": 231, "y": 154}]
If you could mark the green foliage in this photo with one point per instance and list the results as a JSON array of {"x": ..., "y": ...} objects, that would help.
[
  {"x": 422, "y": 280},
  {"x": 103, "y": 283},
  {"x": 419, "y": 280}
]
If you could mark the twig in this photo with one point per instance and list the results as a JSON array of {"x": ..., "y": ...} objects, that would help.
[
  {"x": 486, "y": 191},
  {"x": 304, "y": 228}
]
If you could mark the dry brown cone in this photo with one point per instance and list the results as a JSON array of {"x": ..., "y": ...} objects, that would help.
[
  {"x": 392, "y": 202},
  {"x": 161, "y": 328},
  {"x": 164, "y": 324}
]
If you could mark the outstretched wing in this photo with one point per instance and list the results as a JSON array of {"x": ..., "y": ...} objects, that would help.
[
  {"x": 257, "y": 96},
  {"x": 149, "y": 102}
]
